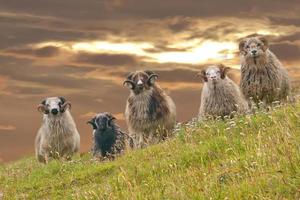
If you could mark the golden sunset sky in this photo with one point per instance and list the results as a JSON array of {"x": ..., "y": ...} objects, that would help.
[{"x": 83, "y": 49}]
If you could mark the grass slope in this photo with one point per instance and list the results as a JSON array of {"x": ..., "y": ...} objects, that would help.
[{"x": 256, "y": 157}]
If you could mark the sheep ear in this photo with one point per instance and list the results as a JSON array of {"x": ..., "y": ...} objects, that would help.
[
  {"x": 93, "y": 123},
  {"x": 242, "y": 45},
  {"x": 202, "y": 75},
  {"x": 224, "y": 70},
  {"x": 129, "y": 84},
  {"x": 264, "y": 41}
]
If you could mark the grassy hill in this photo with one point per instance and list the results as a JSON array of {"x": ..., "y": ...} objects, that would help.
[{"x": 254, "y": 157}]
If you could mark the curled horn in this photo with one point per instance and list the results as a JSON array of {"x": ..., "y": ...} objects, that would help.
[
  {"x": 128, "y": 82},
  {"x": 93, "y": 123},
  {"x": 202, "y": 75},
  {"x": 66, "y": 105},
  {"x": 224, "y": 69},
  {"x": 152, "y": 77},
  {"x": 42, "y": 107},
  {"x": 110, "y": 116}
]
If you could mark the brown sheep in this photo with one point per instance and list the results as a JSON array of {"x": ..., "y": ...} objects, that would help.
[
  {"x": 263, "y": 78},
  {"x": 220, "y": 95},
  {"x": 150, "y": 113}
]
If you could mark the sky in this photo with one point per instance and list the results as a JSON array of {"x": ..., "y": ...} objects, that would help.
[{"x": 83, "y": 50}]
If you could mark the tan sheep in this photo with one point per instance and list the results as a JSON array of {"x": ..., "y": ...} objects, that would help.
[
  {"x": 150, "y": 113},
  {"x": 220, "y": 95},
  {"x": 263, "y": 78}
]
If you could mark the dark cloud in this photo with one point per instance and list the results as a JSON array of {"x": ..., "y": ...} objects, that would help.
[
  {"x": 288, "y": 38},
  {"x": 178, "y": 75},
  {"x": 179, "y": 24},
  {"x": 217, "y": 32},
  {"x": 286, "y": 51},
  {"x": 47, "y": 51},
  {"x": 285, "y": 21},
  {"x": 106, "y": 59}
]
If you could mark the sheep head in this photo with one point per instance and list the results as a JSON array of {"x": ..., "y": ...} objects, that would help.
[
  {"x": 140, "y": 80},
  {"x": 54, "y": 105},
  {"x": 102, "y": 121},
  {"x": 253, "y": 47},
  {"x": 214, "y": 73}
]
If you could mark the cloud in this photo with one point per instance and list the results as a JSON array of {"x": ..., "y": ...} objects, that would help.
[
  {"x": 285, "y": 21},
  {"x": 7, "y": 127},
  {"x": 106, "y": 59},
  {"x": 293, "y": 37},
  {"x": 286, "y": 51},
  {"x": 47, "y": 51}
]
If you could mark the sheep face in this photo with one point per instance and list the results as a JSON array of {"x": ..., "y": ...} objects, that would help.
[
  {"x": 140, "y": 81},
  {"x": 54, "y": 106},
  {"x": 253, "y": 47},
  {"x": 102, "y": 122},
  {"x": 214, "y": 73}
]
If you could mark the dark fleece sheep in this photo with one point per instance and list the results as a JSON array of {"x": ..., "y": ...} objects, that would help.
[
  {"x": 263, "y": 78},
  {"x": 108, "y": 140},
  {"x": 220, "y": 95},
  {"x": 150, "y": 113}
]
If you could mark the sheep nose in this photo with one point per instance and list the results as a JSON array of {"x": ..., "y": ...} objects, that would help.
[
  {"x": 254, "y": 51},
  {"x": 140, "y": 83},
  {"x": 54, "y": 111}
]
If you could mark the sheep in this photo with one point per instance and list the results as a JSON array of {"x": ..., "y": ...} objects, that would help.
[
  {"x": 108, "y": 140},
  {"x": 150, "y": 113},
  {"x": 263, "y": 78},
  {"x": 220, "y": 95},
  {"x": 58, "y": 136}
]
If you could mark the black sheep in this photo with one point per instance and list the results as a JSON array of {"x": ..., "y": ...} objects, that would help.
[{"x": 109, "y": 140}]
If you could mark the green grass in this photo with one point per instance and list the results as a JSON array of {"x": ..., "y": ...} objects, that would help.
[{"x": 253, "y": 157}]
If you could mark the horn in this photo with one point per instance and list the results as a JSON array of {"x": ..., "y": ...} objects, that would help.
[
  {"x": 202, "y": 75},
  {"x": 129, "y": 83},
  {"x": 152, "y": 78},
  {"x": 92, "y": 122},
  {"x": 224, "y": 69},
  {"x": 66, "y": 105},
  {"x": 42, "y": 108}
]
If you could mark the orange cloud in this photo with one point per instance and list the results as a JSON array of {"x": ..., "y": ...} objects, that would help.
[{"x": 7, "y": 127}]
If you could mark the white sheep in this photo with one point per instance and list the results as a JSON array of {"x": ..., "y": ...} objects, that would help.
[
  {"x": 220, "y": 95},
  {"x": 58, "y": 136}
]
